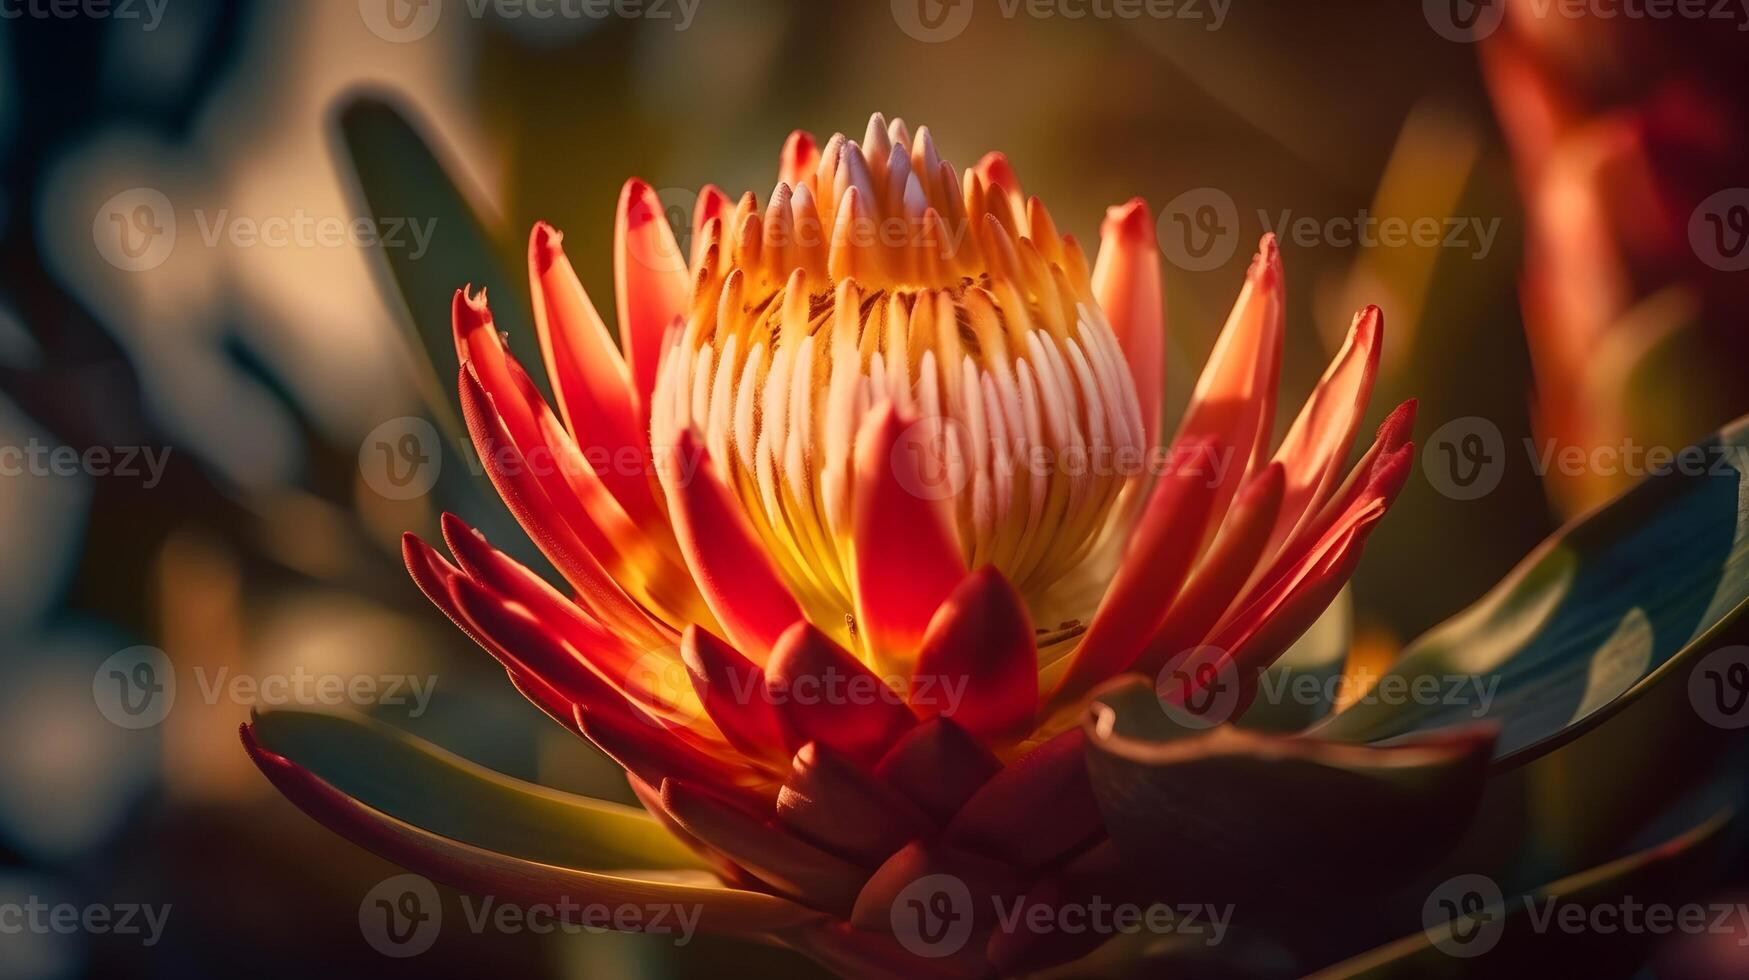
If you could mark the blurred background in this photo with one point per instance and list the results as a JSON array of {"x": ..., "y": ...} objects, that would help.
[{"x": 221, "y": 244}]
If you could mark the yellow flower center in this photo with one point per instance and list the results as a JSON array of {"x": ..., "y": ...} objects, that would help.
[{"x": 875, "y": 273}]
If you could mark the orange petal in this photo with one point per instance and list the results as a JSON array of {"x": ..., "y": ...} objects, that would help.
[
  {"x": 651, "y": 286},
  {"x": 823, "y": 694},
  {"x": 1155, "y": 564},
  {"x": 979, "y": 648},
  {"x": 516, "y": 482},
  {"x": 801, "y": 154},
  {"x": 939, "y": 765},
  {"x": 908, "y": 559},
  {"x": 1234, "y": 400},
  {"x": 432, "y": 573},
  {"x": 779, "y": 859},
  {"x": 1220, "y": 580},
  {"x": 831, "y": 801},
  {"x": 733, "y": 570},
  {"x": 732, "y": 689},
  {"x": 1126, "y": 283},
  {"x": 1317, "y": 444},
  {"x": 1049, "y": 785},
  {"x": 590, "y": 380}
]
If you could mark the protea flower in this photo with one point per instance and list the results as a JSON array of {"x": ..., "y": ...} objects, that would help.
[{"x": 884, "y": 584}]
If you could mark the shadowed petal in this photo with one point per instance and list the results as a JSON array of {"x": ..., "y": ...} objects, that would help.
[
  {"x": 1049, "y": 786},
  {"x": 824, "y": 694},
  {"x": 845, "y": 809},
  {"x": 780, "y": 859},
  {"x": 979, "y": 649},
  {"x": 939, "y": 765},
  {"x": 732, "y": 689}
]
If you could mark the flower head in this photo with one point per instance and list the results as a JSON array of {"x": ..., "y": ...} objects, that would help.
[{"x": 868, "y": 498}]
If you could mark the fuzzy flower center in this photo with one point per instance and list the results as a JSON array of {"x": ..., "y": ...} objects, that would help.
[{"x": 875, "y": 274}]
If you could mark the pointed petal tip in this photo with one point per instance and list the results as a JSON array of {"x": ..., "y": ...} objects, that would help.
[
  {"x": 545, "y": 245},
  {"x": 1266, "y": 265},
  {"x": 1128, "y": 223}
]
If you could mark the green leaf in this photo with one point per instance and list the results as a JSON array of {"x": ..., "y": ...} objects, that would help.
[
  {"x": 1668, "y": 874},
  {"x": 401, "y": 178},
  {"x": 1264, "y": 820},
  {"x": 490, "y": 835},
  {"x": 1588, "y": 621},
  {"x": 417, "y": 782}
]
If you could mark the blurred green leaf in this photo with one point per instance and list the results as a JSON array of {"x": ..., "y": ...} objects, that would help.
[
  {"x": 1590, "y": 619},
  {"x": 1669, "y": 872},
  {"x": 424, "y": 785}
]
